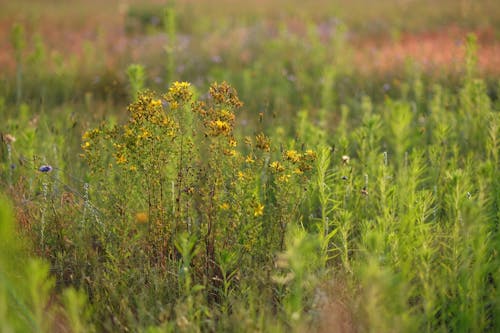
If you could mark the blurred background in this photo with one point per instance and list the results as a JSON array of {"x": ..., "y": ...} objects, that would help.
[
  {"x": 85, "y": 59},
  {"x": 83, "y": 48}
]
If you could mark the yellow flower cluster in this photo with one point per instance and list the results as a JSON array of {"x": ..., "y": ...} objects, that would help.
[
  {"x": 293, "y": 156},
  {"x": 155, "y": 103},
  {"x": 218, "y": 117},
  {"x": 149, "y": 126},
  {"x": 293, "y": 163},
  {"x": 178, "y": 93},
  {"x": 224, "y": 94},
  {"x": 284, "y": 178},
  {"x": 218, "y": 127},
  {"x": 263, "y": 142},
  {"x": 89, "y": 138},
  {"x": 148, "y": 108},
  {"x": 220, "y": 122},
  {"x": 229, "y": 152},
  {"x": 302, "y": 161},
  {"x": 276, "y": 166},
  {"x": 310, "y": 154},
  {"x": 143, "y": 134}
]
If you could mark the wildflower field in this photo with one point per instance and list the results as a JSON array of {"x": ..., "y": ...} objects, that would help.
[{"x": 265, "y": 166}]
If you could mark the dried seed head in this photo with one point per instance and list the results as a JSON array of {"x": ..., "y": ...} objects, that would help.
[
  {"x": 345, "y": 159},
  {"x": 67, "y": 198},
  {"x": 9, "y": 138}
]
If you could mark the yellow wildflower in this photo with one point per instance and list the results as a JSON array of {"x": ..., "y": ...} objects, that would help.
[
  {"x": 293, "y": 156},
  {"x": 277, "y": 166},
  {"x": 229, "y": 152},
  {"x": 141, "y": 217},
  {"x": 90, "y": 133},
  {"x": 224, "y": 206},
  {"x": 263, "y": 142},
  {"x": 222, "y": 125},
  {"x": 155, "y": 102},
  {"x": 121, "y": 159},
  {"x": 259, "y": 210},
  {"x": 218, "y": 127},
  {"x": 178, "y": 92},
  {"x": 166, "y": 121},
  {"x": 232, "y": 142},
  {"x": 226, "y": 115},
  {"x": 174, "y": 105},
  {"x": 298, "y": 171},
  {"x": 143, "y": 135},
  {"x": 172, "y": 133},
  {"x": 128, "y": 132},
  {"x": 248, "y": 141},
  {"x": 310, "y": 155},
  {"x": 284, "y": 178},
  {"x": 223, "y": 93}
]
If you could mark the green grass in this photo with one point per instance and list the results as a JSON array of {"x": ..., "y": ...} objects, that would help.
[{"x": 261, "y": 204}]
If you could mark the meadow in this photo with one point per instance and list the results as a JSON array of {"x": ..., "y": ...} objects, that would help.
[{"x": 266, "y": 166}]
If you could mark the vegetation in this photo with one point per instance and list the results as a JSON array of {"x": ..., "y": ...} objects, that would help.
[{"x": 266, "y": 185}]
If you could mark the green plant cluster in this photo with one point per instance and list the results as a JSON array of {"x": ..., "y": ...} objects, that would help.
[{"x": 184, "y": 194}]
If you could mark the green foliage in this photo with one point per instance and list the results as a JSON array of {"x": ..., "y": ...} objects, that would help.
[
  {"x": 27, "y": 301},
  {"x": 173, "y": 178},
  {"x": 136, "y": 77},
  {"x": 18, "y": 41}
]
